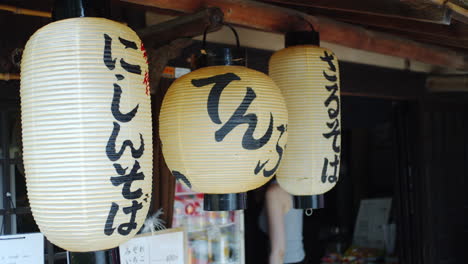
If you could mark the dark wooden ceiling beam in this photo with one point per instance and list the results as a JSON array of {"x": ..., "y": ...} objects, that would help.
[
  {"x": 456, "y": 30},
  {"x": 276, "y": 19},
  {"x": 460, "y": 44},
  {"x": 411, "y": 10},
  {"x": 459, "y": 7},
  {"x": 450, "y": 36}
]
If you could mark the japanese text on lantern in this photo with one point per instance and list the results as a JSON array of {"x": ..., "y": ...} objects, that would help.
[
  {"x": 330, "y": 167},
  {"x": 240, "y": 117},
  {"x": 122, "y": 178}
]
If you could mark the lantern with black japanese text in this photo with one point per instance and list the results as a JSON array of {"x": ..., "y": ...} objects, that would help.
[
  {"x": 308, "y": 76},
  {"x": 224, "y": 130},
  {"x": 87, "y": 132}
]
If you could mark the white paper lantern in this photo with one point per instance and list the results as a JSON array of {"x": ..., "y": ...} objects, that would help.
[
  {"x": 223, "y": 129},
  {"x": 87, "y": 132},
  {"x": 308, "y": 77}
]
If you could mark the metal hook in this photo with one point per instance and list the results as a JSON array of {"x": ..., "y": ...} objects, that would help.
[
  {"x": 225, "y": 24},
  {"x": 309, "y": 211}
]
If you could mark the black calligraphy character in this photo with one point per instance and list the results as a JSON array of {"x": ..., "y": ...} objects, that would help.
[
  {"x": 333, "y": 113},
  {"x": 331, "y": 78},
  {"x": 127, "y": 180},
  {"x": 181, "y": 177},
  {"x": 128, "y": 43},
  {"x": 131, "y": 68},
  {"x": 115, "y": 108},
  {"x": 220, "y": 81},
  {"x": 335, "y": 164},
  {"x": 329, "y": 59},
  {"x": 238, "y": 117},
  {"x": 110, "y": 148},
  {"x": 279, "y": 150},
  {"x": 108, "y": 61},
  {"x": 126, "y": 228},
  {"x": 335, "y": 132},
  {"x": 108, "y": 228}
]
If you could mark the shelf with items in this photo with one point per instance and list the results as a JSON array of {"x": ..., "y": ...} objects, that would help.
[
  {"x": 208, "y": 227},
  {"x": 213, "y": 237}
]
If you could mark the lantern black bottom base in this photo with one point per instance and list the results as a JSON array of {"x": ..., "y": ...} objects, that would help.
[
  {"x": 225, "y": 202},
  {"x": 110, "y": 256},
  {"x": 308, "y": 201}
]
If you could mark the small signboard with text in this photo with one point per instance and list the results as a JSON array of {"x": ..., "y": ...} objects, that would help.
[
  {"x": 22, "y": 249},
  {"x": 163, "y": 247}
]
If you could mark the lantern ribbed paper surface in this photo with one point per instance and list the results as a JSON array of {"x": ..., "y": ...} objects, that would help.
[
  {"x": 87, "y": 132},
  {"x": 308, "y": 76},
  {"x": 223, "y": 129}
]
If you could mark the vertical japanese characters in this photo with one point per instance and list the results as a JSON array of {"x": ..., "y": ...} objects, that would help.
[
  {"x": 124, "y": 177},
  {"x": 330, "y": 167},
  {"x": 308, "y": 75},
  {"x": 87, "y": 133}
]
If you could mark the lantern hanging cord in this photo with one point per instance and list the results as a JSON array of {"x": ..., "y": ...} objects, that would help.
[{"x": 225, "y": 24}]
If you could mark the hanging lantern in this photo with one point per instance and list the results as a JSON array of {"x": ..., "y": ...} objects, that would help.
[
  {"x": 223, "y": 130},
  {"x": 87, "y": 133},
  {"x": 308, "y": 77}
]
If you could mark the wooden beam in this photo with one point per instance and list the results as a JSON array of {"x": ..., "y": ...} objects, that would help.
[
  {"x": 454, "y": 35},
  {"x": 460, "y": 44},
  {"x": 276, "y": 19},
  {"x": 447, "y": 83},
  {"x": 455, "y": 30},
  {"x": 24, "y": 11},
  {"x": 411, "y": 10},
  {"x": 460, "y": 18},
  {"x": 459, "y": 8},
  {"x": 158, "y": 59},
  {"x": 187, "y": 26}
]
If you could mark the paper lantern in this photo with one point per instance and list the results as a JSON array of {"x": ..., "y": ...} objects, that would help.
[
  {"x": 308, "y": 76},
  {"x": 224, "y": 130},
  {"x": 87, "y": 132}
]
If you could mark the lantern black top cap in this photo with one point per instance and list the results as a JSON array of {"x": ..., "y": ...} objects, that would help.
[
  {"x": 221, "y": 55},
  {"x": 295, "y": 38},
  {"x": 64, "y": 9}
]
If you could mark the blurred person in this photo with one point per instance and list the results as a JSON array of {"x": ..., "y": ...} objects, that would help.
[{"x": 283, "y": 224}]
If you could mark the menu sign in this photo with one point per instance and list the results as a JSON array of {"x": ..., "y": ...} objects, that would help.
[
  {"x": 22, "y": 249},
  {"x": 164, "y": 247}
]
